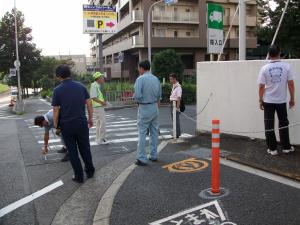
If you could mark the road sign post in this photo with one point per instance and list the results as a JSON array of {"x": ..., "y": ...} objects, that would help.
[
  {"x": 214, "y": 28},
  {"x": 99, "y": 20}
]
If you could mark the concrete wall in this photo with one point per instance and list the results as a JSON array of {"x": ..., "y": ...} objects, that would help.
[{"x": 235, "y": 97}]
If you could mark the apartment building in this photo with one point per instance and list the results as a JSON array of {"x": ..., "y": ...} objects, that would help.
[
  {"x": 181, "y": 27},
  {"x": 80, "y": 64}
]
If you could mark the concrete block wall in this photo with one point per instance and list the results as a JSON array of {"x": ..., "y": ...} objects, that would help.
[{"x": 234, "y": 100}]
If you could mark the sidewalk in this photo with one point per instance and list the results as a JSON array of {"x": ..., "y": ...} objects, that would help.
[{"x": 179, "y": 182}]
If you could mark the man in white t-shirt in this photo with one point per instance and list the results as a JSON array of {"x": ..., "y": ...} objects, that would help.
[
  {"x": 274, "y": 79},
  {"x": 176, "y": 95}
]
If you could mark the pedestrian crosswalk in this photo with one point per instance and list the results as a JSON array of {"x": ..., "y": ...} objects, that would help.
[
  {"x": 119, "y": 129},
  {"x": 5, "y": 114}
]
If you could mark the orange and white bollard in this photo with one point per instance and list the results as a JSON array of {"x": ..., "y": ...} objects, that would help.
[{"x": 215, "y": 140}]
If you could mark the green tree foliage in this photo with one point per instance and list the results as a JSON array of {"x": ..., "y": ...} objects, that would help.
[
  {"x": 289, "y": 33},
  {"x": 29, "y": 55},
  {"x": 166, "y": 62}
]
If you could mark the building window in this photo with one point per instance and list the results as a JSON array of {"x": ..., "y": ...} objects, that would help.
[
  {"x": 188, "y": 33},
  {"x": 160, "y": 32},
  {"x": 187, "y": 10},
  {"x": 175, "y": 33}
]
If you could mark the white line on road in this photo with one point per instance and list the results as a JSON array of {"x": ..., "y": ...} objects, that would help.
[
  {"x": 261, "y": 173},
  {"x": 122, "y": 125},
  {"x": 29, "y": 198}
]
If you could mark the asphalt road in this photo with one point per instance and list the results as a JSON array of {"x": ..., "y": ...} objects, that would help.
[
  {"x": 24, "y": 170},
  {"x": 162, "y": 190}
]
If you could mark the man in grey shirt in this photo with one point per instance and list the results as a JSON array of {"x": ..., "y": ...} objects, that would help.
[{"x": 46, "y": 121}]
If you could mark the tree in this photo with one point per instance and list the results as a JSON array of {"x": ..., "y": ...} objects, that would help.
[
  {"x": 29, "y": 55},
  {"x": 289, "y": 33},
  {"x": 166, "y": 62}
]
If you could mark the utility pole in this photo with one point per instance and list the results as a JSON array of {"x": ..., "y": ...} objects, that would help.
[
  {"x": 149, "y": 28},
  {"x": 17, "y": 64},
  {"x": 242, "y": 30},
  {"x": 100, "y": 52}
]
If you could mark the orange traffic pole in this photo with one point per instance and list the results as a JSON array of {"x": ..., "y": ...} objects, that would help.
[{"x": 215, "y": 140}]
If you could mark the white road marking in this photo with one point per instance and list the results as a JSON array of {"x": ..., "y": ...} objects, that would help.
[
  {"x": 122, "y": 125},
  {"x": 261, "y": 173},
  {"x": 29, "y": 198}
]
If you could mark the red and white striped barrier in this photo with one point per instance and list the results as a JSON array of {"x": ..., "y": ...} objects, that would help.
[{"x": 215, "y": 140}]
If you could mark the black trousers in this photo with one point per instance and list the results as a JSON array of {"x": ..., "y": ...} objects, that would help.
[
  {"x": 269, "y": 114},
  {"x": 76, "y": 137},
  {"x": 178, "y": 129}
]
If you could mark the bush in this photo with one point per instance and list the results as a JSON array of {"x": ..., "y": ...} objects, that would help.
[
  {"x": 188, "y": 93},
  {"x": 3, "y": 88},
  {"x": 46, "y": 93},
  {"x": 166, "y": 62},
  {"x": 118, "y": 86}
]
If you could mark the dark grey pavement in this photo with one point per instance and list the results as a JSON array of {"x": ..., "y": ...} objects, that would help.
[{"x": 152, "y": 193}]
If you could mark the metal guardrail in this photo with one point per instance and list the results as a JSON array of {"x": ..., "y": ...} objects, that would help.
[{"x": 125, "y": 97}]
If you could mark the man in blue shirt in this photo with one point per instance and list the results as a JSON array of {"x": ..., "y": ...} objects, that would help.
[
  {"x": 69, "y": 101},
  {"x": 147, "y": 94},
  {"x": 46, "y": 121}
]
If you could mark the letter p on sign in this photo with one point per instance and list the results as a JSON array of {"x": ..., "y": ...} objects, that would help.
[{"x": 100, "y": 24}]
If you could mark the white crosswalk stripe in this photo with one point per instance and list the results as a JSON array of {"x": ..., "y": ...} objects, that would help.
[
  {"x": 5, "y": 114},
  {"x": 119, "y": 130}
]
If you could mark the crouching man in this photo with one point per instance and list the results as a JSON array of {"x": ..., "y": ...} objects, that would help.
[{"x": 46, "y": 121}]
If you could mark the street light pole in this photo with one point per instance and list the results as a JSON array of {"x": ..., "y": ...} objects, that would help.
[
  {"x": 242, "y": 30},
  {"x": 17, "y": 64},
  {"x": 149, "y": 28}
]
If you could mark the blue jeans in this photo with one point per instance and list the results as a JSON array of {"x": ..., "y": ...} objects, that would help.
[{"x": 147, "y": 120}]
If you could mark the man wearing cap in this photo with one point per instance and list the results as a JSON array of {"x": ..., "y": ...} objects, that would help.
[{"x": 99, "y": 102}]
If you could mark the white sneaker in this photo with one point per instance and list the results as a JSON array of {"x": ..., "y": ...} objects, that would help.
[
  {"x": 292, "y": 149},
  {"x": 274, "y": 152}
]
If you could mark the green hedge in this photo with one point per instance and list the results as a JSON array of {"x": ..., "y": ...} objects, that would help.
[
  {"x": 3, "y": 88},
  {"x": 188, "y": 93},
  {"x": 46, "y": 93}
]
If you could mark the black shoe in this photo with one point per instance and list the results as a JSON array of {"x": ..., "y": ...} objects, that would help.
[
  {"x": 153, "y": 160},
  {"x": 140, "y": 163},
  {"x": 77, "y": 180},
  {"x": 89, "y": 174},
  {"x": 65, "y": 158},
  {"x": 62, "y": 150}
]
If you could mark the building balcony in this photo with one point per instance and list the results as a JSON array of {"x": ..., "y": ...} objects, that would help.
[
  {"x": 129, "y": 43},
  {"x": 134, "y": 17},
  {"x": 186, "y": 18},
  {"x": 250, "y": 20}
]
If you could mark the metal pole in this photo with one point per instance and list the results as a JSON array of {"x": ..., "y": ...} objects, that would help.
[
  {"x": 149, "y": 21},
  {"x": 242, "y": 30},
  {"x": 100, "y": 52},
  {"x": 279, "y": 24},
  {"x": 229, "y": 30},
  {"x": 19, "y": 102},
  {"x": 174, "y": 119}
]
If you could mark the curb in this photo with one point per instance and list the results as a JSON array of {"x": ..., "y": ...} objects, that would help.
[
  {"x": 80, "y": 206},
  {"x": 102, "y": 215}
]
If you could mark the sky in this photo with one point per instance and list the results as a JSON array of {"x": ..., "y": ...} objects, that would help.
[{"x": 56, "y": 24}]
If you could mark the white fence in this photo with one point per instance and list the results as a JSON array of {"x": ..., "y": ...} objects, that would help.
[{"x": 234, "y": 100}]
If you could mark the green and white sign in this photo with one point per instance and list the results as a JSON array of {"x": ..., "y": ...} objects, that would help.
[{"x": 215, "y": 35}]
